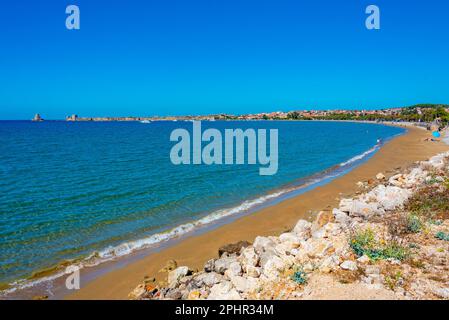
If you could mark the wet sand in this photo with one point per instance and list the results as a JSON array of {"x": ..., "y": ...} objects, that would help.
[{"x": 195, "y": 251}]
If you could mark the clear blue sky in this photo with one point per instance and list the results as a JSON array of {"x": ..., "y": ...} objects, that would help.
[{"x": 235, "y": 56}]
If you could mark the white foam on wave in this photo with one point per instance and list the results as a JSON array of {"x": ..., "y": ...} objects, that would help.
[
  {"x": 129, "y": 247},
  {"x": 361, "y": 156}
]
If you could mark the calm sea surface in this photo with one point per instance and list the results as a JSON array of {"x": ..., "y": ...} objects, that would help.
[{"x": 68, "y": 190}]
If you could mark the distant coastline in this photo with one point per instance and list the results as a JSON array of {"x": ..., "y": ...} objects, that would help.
[{"x": 428, "y": 115}]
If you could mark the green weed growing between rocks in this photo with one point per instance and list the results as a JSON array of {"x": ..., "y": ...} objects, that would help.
[
  {"x": 442, "y": 236},
  {"x": 431, "y": 203},
  {"x": 414, "y": 224},
  {"x": 299, "y": 276},
  {"x": 365, "y": 243}
]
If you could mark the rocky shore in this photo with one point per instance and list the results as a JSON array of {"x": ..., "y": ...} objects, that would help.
[{"x": 390, "y": 241}]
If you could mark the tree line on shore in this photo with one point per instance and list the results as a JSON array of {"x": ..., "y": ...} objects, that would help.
[{"x": 427, "y": 113}]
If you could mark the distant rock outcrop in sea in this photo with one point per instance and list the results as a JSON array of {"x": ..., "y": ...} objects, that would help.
[{"x": 37, "y": 117}]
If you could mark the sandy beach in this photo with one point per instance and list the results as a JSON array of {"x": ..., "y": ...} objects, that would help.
[{"x": 195, "y": 251}]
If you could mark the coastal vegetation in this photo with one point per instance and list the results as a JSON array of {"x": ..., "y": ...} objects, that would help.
[
  {"x": 299, "y": 276},
  {"x": 365, "y": 243},
  {"x": 427, "y": 113}
]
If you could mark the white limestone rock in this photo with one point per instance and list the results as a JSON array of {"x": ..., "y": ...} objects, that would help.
[
  {"x": 263, "y": 244},
  {"x": 252, "y": 271},
  {"x": 359, "y": 208},
  {"x": 389, "y": 197},
  {"x": 223, "y": 291},
  {"x": 175, "y": 275},
  {"x": 223, "y": 263},
  {"x": 341, "y": 217},
  {"x": 234, "y": 269},
  {"x": 272, "y": 267},
  {"x": 349, "y": 265},
  {"x": 207, "y": 279},
  {"x": 248, "y": 257},
  {"x": 441, "y": 292},
  {"x": 303, "y": 229},
  {"x": 245, "y": 285}
]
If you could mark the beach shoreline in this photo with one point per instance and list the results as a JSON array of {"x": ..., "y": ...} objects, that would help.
[{"x": 193, "y": 251}]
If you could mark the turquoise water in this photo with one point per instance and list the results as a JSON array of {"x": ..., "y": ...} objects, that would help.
[{"x": 70, "y": 189}]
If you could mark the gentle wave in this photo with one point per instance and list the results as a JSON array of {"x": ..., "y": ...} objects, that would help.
[
  {"x": 362, "y": 155},
  {"x": 127, "y": 248}
]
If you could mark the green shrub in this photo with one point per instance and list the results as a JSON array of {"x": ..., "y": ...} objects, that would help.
[
  {"x": 299, "y": 276},
  {"x": 396, "y": 251},
  {"x": 414, "y": 224},
  {"x": 393, "y": 280},
  {"x": 364, "y": 243},
  {"x": 435, "y": 222},
  {"x": 442, "y": 236}
]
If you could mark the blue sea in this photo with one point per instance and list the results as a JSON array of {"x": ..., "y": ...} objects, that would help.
[{"x": 93, "y": 191}]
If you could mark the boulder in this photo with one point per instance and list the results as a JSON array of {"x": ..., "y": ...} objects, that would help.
[
  {"x": 249, "y": 257},
  {"x": 207, "y": 279},
  {"x": 252, "y": 271},
  {"x": 359, "y": 208},
  {"x": 263, "y": 244},
  {"x": 175, "y": 275},
  {"x": 319, "y": 233},
  {"x": 233, "y": 247},
  {"x": 360, "y": 184},
  {"x": 272, "y": 267},
  {"x": 234, "y": 269},
  {"x": 223, "y": 291},
  {"x": 438, "y": 161},
  {"x": 209, "y": 266},
  {"x": 441, "y": 292},
  {"x": 291, "y": 239},
  {"x": 416, "y": 176},
  {"x": 303, "y": 229},
  {"x": 330, "y": 263},
  {"x": 390, "y": 197},
  {"x": 397, "y": 180},
  {"x": 363, "y": 259},
  {"x": 174, "y": 294},
  {"x": 349, "y": 265},
  {"x": 380, "y": 176},
  {"x": 222, "y": 264},
  {"x": 341, "y": 217},
  {"x": 316, "y": 248},
  {"x": 282, "y": 249},
  {"x": 345, "y": 205},
  {"x": 245, "y": 285},
  {"x": 323, "y": 218}
]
